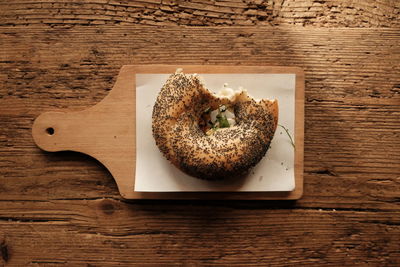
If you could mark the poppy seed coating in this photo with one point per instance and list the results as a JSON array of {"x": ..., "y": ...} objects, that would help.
[{"x": 226, "y": 153}]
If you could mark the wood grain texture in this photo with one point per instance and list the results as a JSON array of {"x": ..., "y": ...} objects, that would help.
[
  {"x": 352, "y": 98},
  {"x": 109, "y": 232},
  {"x": 64, "y": 208},
  {"x": 327, "y": 13}
]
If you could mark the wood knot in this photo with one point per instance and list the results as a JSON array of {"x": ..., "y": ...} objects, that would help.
[
  {"x": 4, "y": 251},
  {"x": 107, "y": 207}
]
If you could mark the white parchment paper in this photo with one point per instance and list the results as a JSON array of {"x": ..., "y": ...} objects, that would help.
[{"x": 275, "y": 172}]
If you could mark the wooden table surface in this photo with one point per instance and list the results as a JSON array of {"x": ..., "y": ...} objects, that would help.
[{"x": 64, "y": 209}]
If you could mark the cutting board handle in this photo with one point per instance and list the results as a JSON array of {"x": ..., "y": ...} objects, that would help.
[
  {"x": 105, "y": 131},
  {"x": 49, "y": 131}
]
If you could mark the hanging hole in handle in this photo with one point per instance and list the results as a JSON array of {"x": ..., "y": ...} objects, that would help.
[{"x": 50, "y": 131}]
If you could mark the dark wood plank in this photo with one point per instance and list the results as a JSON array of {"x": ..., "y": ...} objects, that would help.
[
  {"x": 109, "y": 232},
  {"x": 326, "y": 13}
]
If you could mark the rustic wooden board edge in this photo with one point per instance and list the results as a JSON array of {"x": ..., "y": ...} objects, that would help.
[
  {"x": 114, "y": 143},
  {"x": 299, "y": 133}
]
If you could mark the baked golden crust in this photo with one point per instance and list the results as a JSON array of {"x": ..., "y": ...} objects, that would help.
[{"x": 229, "y": 151}]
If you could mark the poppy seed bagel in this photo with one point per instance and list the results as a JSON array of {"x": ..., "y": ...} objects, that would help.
[{"x": 228, "y": 151}]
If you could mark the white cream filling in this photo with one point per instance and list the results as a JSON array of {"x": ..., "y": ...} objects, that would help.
[
  {"x": 228, "y": 93},
  {"x": 224, "y": 112}
]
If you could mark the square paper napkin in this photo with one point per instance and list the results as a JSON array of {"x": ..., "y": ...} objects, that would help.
[{"x": 275, "y": 172}]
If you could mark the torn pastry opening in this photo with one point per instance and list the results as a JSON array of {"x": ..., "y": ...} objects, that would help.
[{"x": 214, "y": 118}]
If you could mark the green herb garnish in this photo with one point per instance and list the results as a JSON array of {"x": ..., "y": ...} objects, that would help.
[
  {"x": 287, "y": 132},
  {"x": 223, "y": 121}
]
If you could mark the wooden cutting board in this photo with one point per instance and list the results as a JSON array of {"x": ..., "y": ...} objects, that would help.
[{"x": 106, "y": 131}]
